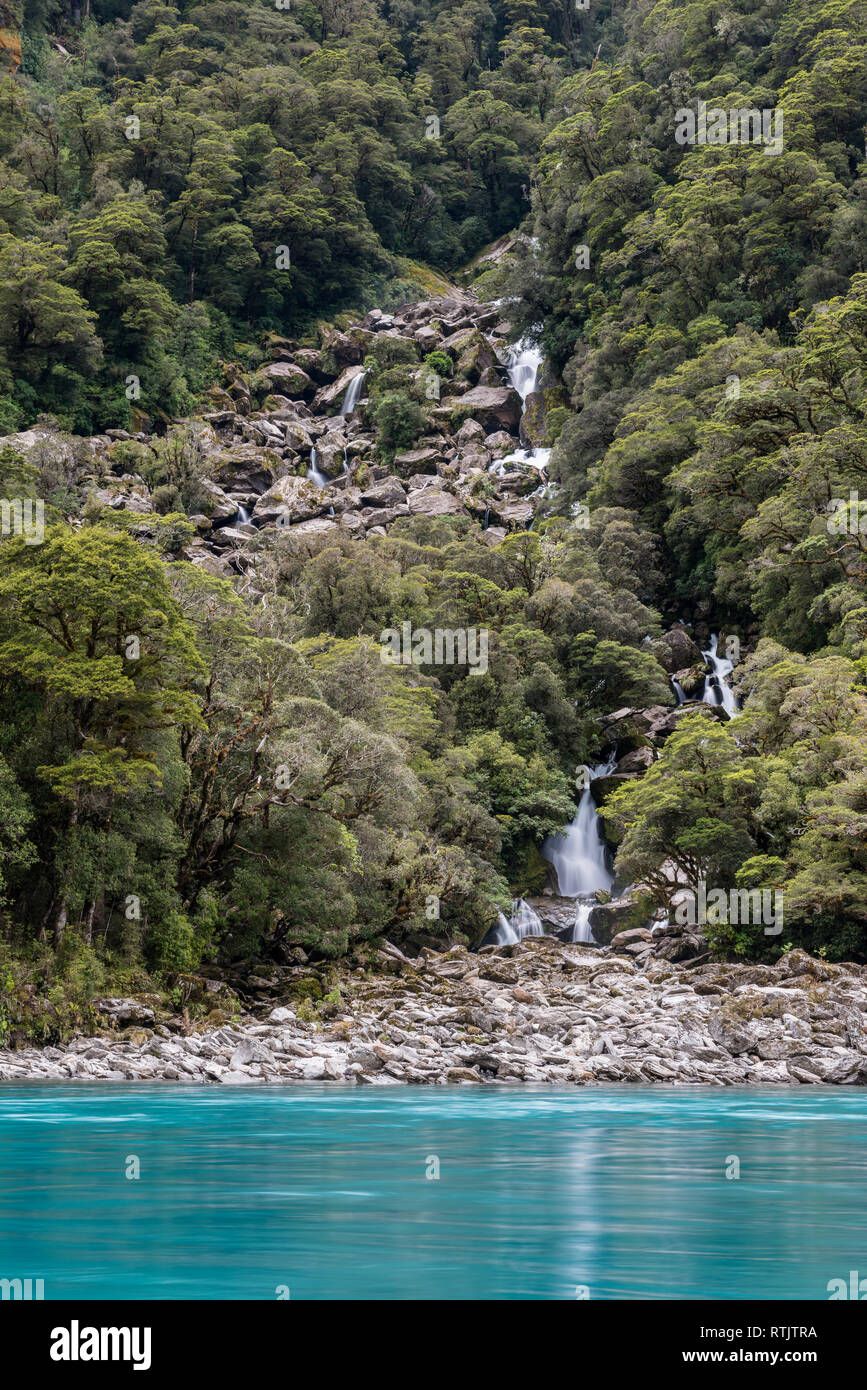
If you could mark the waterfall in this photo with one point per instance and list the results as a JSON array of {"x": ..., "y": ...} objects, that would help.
[
  {"x": 717, "y": 690},
  {"x": 581, "y": 931},
  {"x": 243, "y": 515},
  {"x": 680, "y": 693},
  {"x": 504, "y": 933},
  {"x": 353, "y": 394},
  {"x": 524, "y": 361},
  {"x": 313, "y": 472},
  {"x": 577, "y": 855},
  {"x": 578, "y": 852},
  {"x": 524, "y": 922}
]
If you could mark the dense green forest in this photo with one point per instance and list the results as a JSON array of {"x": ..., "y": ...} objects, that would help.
[
  {"x": 154, "y": 160},
  {"x": 182, "y": 187}
]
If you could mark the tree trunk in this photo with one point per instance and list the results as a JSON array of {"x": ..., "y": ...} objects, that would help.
[
  {"x": 60, "y": 922},
  {"x": 88, "y": 922}
]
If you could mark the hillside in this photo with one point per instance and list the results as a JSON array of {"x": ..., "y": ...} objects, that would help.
[{"x": 325, "y": 330}]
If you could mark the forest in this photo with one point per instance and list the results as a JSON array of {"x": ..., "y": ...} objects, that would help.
[{"x": 203, "y": 767}]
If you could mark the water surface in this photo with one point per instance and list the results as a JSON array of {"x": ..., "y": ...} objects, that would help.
[{"x": 324, "y": 1190}]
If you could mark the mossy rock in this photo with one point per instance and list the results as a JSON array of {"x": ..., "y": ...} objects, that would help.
[
  {"x": 217, "y": 1017},
  {"x": 532, "y": 873},
  {"x": 308, "y": 988}
]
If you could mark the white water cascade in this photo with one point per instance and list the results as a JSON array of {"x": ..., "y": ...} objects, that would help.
[
  {"x": 679, "y": 692},
  {"x": 524, "y": 922},
  {"x": 577, "y": 855},
  {"x": 313, "y": 472},
  {"x": 717, "y": 690},
  {"x": 353, "y": 394},
  {"x": 578, "y": 852},
  {"x": 523, "y": 362},
  {"x": 243, "y": 515}
]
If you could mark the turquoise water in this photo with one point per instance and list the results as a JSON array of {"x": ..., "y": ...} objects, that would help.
[{"x": 323, "y": 1190}]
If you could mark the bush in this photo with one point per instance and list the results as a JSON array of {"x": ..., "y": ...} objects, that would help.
[
  {"x": 439, "y": 362},
  {"x": 399, "y": 421}
]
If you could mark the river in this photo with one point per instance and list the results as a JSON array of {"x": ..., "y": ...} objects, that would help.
[{"x": 331, "y": 1193}]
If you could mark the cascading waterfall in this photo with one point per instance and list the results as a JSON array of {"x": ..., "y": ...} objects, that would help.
[
  {"x": 524, "y": 361},
  {"x": 582, "y": 931},
  {"x": 577, "y": 855},
  {"x": 679, "y": 692},
  {"x": 717, "y": 690},
  {"x": 524, "y": 922},
  {"x": 243, "y": 514},
  {"x": 503, "y": 933},
  {"x": 352, "y": 394},
  {"x": 578, "y": 852},
  {"x": 313, "y": 472}
]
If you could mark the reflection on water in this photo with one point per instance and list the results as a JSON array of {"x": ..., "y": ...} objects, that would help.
[{"x": 323, "y": 1189}]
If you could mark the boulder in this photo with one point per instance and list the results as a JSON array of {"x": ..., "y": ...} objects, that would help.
[
  {"x": 374, "y": 517},
  {"x": 286, "y": 377},
  {"x": 691, "y": 680},
  {"x": 125, "y": 1011},
  {"x": 514, "y": 514},
  {"x": 341, "y": 347},
  {"x": 330, "y": 448},
  {"x": 246, "y": 468},
  {"x": 127, "y": 493},
  {"x": 676, "y": 651},
  {"x": 297, "y": 436},
  {"x": 433, "y": 502},
  {"x": 389, "y": 493},
  {"x": 492, "y": 535},
  {"x": 427, "y": 338},
  {"x": 310, "y": 361},
  {"x": 418, "y": 461},
  {"x": 316, "y": 526},
  {"x": 499, "y": 443},
  {"x": 231, "y": 535},
  {"x": 333, "y": 394},
  {"x": 495, "y": 407},
  {"x": 471, "y": 432},
  {"x": 476, "y": 356},
  {"x": 294, "y": 499},
  {"x": 615, "y": 922}
]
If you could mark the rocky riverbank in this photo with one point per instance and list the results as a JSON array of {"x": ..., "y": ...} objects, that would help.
[{"x": 539, "y": 1012}]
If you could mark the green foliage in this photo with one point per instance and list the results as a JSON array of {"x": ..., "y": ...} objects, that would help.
[
  {"x": 155, "y": 162},
  {"x": 400, "y": 419}
]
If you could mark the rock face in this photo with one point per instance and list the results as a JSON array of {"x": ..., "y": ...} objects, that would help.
[
  {"x": 537, "y": 1012},
  {"x": 677, "y": 651},
  {"x": 257, "y": 441},
  {"x": 294, "y": 499},
  {"x": 496, "y": 407}
]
